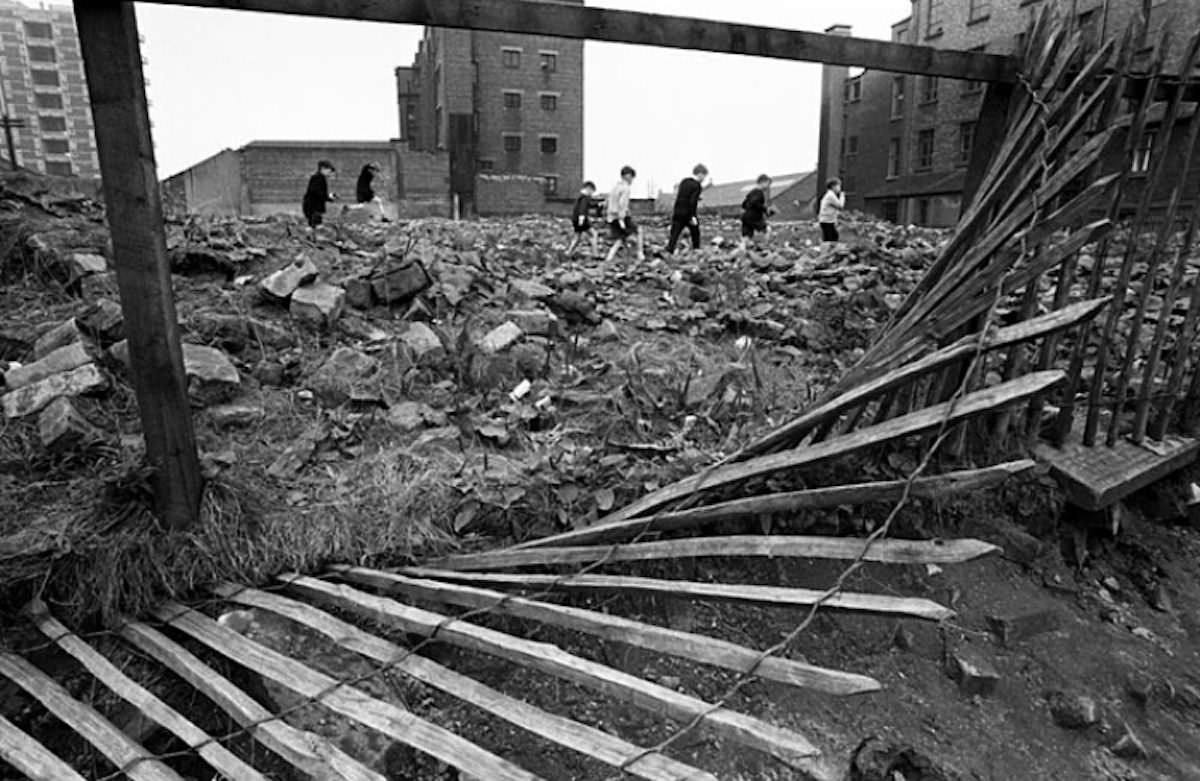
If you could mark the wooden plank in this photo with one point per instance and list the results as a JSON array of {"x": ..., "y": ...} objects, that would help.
[
  {"x": 1095, "y": 477},
  {"x": 350, "y": 701},
  {"x": 216, "y": 755},
  {"x": 562, "y": 20},
  {"x": 992, "y": 124},
  {"x": 1033, "y": 328},
  {"x": 575, "y": 736},
  {"x": 918, "y": 422},
  {"x": 114, "y": 744},
  {"x": 1185, "y": 337},
  {"x": 785, "y": 745},
  {"x": 30, "y": 757},
  {"x": 311, "y": 754},
  {"x": 909, "y": 607},
  {"x": 112, "y": 60},
  {"x": 686, "y": 645},
  {"x": 792, "y": 501},
  {"x": 837, "y": 548}
]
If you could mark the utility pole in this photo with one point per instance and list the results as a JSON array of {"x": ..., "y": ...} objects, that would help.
[{"x": 9, "y": 122}]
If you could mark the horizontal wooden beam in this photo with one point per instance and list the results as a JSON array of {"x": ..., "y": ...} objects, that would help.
[{"x": 562, "y": 20}]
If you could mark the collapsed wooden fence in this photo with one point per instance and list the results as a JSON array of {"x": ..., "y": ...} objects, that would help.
[{"x": 1028, "y": 330}]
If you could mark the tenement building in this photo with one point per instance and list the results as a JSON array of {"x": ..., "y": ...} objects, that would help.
[
  {"x": 902, "y": 143},
  {"x": 506, "y": 108},
  {"x": 41, "y": 73}
]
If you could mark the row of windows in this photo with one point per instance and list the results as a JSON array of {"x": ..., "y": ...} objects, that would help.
[
  {"x": 977, "y": 11},
  {"x": 514, "y": 99},
  {"x": 928, "y": 87},
  {"x": 550, "y": 181},
  {"x": 513, "y": 142},
  {"x": 511, "y": 57},
  {"x": 39, "y": 30},
  {"x": 926, "y": 146}
]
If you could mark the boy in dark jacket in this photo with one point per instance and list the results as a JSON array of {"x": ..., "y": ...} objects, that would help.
[
  {"x": 687, "y": 206},
  {"x": 581, "y": 219},
  {"x": 317, "y": 194},
  {"x": 755, "y": 210},
  {"x": 364, "y": 191}
]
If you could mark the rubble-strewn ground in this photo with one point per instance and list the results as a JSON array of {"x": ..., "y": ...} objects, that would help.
[{"x": 405, "y": 430}]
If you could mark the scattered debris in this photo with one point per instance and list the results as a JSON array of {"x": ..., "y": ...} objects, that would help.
[{"x": 1073, "y": 711}]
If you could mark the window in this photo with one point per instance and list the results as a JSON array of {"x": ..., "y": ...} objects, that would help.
[
  {"x": 849, "y": 151},
  {"x": 922, "y": 211},
  {"x": 45, "y": 78},
  {"x": 929, "y": 89},
  {"x": 487, "y": 165},
  {"x": 56, "y": 146},
  {"x": 549, "y": 102},
  {"x": 53, "y": 124},
  {"x": 512, "y": 143},
  {"x": 966, "y": 142},
  {"x": 849, "y": 184},
  {"x": 974, "y": 87},
  {"x": 38, "y": 30},
  {"x": 45, "y": 100},
  {"x": 933, "y": 25},
  {"x": 511, "y": 58},
  {"x": 551, "y": 183},
  {"x": 512, "y": 99},
  {"x": 978, "y": 10},
  {"x": 924, "y": 150},
  {"x": 891, "y": 210},
  {"x": 893, "y": 158},
  {"x": 1141, "y": 157},
  {"x": 549, "y": 145},
  {"x": 854, "y": 89},
  {"x": 42, "y": 54},
  {"x": 897, "y": 97},
  {"x": 59, "y": 168},
  {"x": 548, "y": 61}
]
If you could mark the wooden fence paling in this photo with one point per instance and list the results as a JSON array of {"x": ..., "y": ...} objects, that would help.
[
  {"x": 687, "y": 645},
  {"x": 727, "y": 592},
  {"x": 786, "y": 745},
  {"x": 311, "y": 754},
  {"x": 349, "y": 701},
  {"x": 1187, "y": 333},
  {"x": 30, "y": 757},
  {"x": 586, "y": 740},
  {"x": 216, "y": 755},
  {"x": 114, "y": 744}
]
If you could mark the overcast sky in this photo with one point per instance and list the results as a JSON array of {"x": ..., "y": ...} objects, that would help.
[{"x": 222, "y": 78}]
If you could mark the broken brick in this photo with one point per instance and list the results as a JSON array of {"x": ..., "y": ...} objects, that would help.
[{"x": 1015, "y": 627}]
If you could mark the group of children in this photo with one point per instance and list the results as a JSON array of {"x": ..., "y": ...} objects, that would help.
[
  {"x": 756, "y": 208},
  {"x": 318, "y": 195}
]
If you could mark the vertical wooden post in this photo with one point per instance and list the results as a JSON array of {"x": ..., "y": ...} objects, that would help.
[
  {"x": 989, "y": 135},
  {"x": 112, "y": 60}
]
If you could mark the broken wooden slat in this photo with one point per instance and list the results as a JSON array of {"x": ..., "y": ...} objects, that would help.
[
  {"x": 566, "y": 732},
  {"x": 1094, "y": 477},
  {"x": 350, "y": 701},
  {"x": 1184, "y": 338},
  {"x": 687, "y": 645},
  {"x": 309, "y": 753},
  {"x": 919, "y": 422},
  {"x": 792, "y": 501},
  {"x": 729, "y": 592},
  {"x": 30, "y": 757},
  {"x": 786, "y": 745},
  {"x": 216, "y": 755},
  {"x": 119, "y": 748},
  {"x": 837, "y": 548}
]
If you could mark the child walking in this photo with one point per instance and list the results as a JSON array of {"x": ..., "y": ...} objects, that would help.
[
  {"x": 755, "y": 210},
  {"x": 687, "y": 206},
  {"x": 832, "y": 203},
  {"x": 617, "y": 215},
  {"x": 581, "y": 220},
  {"x": 317, "y": 195}
]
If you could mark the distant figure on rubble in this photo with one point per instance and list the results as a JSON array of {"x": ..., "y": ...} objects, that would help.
[
  {"x": 581, "y": 219},
  {"x": 317, "y": 195},
  {"x": 687, "y": 207},
  {"x": 364, "y": 192},
  {"x": 832, "y": 203},
  {"x": 620, "y": 220},
  {"x": 755, "y": 210}
]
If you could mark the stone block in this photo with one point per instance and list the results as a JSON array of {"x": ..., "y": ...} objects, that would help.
[
  {"x": 212, "y": 378},
  {"x": 63, "y": 429},
  {"x": 359, "y": 294},
  {"x": 103, "y": 321},
  {"x": 236, "y": 414},
  {"x": 271, "y": 334},
  {"x": 533, "y": 291},
  {"x": 64, "y": 359},
  {"x": 1073, "y": 711},
  {"x": 500, "y": 338},
  {"x": 66, "y": 332},
  {"x": 280, "y": 286},
  {"x": 1014, "y": 627},
  {"x": 95, "y": 286},
  {"x": 400, "y": 282},
  {"x": 538, "y": 322},
  {"x": 83, "y": 264},
  {"x": 34, "y": 398},
  {"x": 974, "y": 672},
  {"x": 319, "y": 304},
  {"x": 423, "y": 342},
  {"x": 345, "y": 371}
]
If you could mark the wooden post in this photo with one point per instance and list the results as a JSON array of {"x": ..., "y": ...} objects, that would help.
[
  {"x": 989, "y": 135},
  {"x": 108, "y": 37}
]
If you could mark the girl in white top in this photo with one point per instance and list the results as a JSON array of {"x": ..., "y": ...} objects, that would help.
[{"x": 832, "y": 202}]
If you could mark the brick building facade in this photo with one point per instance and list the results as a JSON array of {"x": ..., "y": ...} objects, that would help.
[
  {"x": 901, "y": 143},
  {"x": 41, "y": 71},
  {"x": 500, "y": 105}
]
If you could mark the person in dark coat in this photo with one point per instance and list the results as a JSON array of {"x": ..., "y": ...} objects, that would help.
[
  {"x": 755, "y": 210},
  {"x": 581, "y": 219},
  {"x": 317, "y": 195},
  {"x": 364, "y": 192},
  {"x": 687, "y": 207}
]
